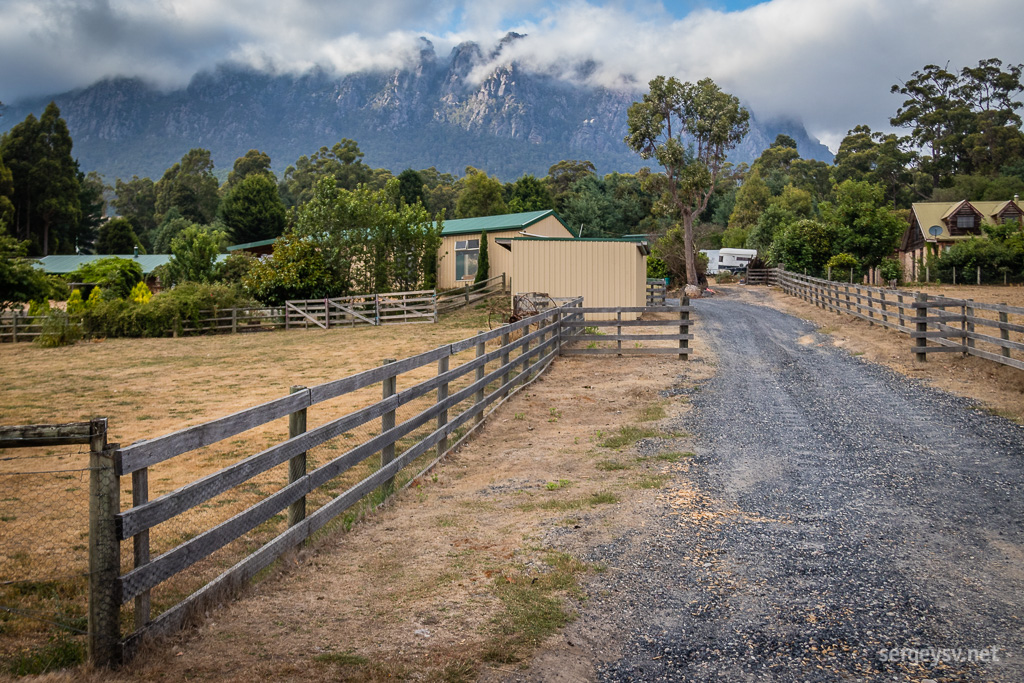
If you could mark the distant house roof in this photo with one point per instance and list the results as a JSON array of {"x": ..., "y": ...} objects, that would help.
[
  {"x": 252, "y": 245},
  {"x": 68, "y": 263},
  {"x": 507, "y": 221},
  {"x": 941, "y": 214}
]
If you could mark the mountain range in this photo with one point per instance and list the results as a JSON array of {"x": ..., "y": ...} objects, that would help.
[{"x": 430, "y": 113}]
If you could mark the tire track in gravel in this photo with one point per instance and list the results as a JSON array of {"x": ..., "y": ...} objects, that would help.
[{"x": 836, "y": 511}]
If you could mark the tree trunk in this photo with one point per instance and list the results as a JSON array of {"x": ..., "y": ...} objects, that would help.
[{"x": 691, "y": 260}]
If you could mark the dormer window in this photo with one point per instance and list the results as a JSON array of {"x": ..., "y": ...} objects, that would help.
[{"x": 965, "y": 222}]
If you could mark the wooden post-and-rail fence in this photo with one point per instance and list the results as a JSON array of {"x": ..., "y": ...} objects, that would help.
[
  {"x": 418, "y": 424},
  {"x": 964, "y": 326}
]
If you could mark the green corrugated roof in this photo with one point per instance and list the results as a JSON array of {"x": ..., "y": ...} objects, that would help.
[
  {"x": 67, "y": 263},
  {"x": 252, "y": 245},
  {"x": 507, "y": 221},
  {"x": 62, "y": 264}
]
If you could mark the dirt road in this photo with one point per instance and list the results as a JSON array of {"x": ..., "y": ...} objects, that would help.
[{"x": 840, "y": 522}]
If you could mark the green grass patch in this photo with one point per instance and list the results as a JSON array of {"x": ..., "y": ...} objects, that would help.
[
  {"x": 611, "y": 465},
  {"x": 603, "y": 498},
  {"x": 651, "y": 481},
  {"x": 533, "y": 608},
  {"x": 62, "y": 652},
  {"x": 629, "y": 435},
  {"x": 671, "y": 457},
  {"x": 556, "y": 485},
  {"x": 652, "y": 412}
]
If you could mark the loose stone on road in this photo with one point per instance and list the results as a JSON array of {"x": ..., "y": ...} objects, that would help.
[{"x": 839, "y": 522}]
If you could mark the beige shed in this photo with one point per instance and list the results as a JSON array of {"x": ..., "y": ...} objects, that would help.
[
  {"x": 605, "y": 272},
  {"x": 460, "y": 243}
]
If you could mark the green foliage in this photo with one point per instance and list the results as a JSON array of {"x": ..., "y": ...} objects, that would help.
[
  {"x": 117, "y": 236},
  {"x": 190, "y": 187},
  {"x": 194, "y": 255},
  {"x": 769, "y": 224},
  {"x": 136, "y": 201},
  {"x": 20, "y": 281},
  {"x": 480, "y": 196},
  {"x": 656, "y": 268},
  {"x": 140, "y": 294},
  {"x": 58, "y": 330},
  {"x": 252, "y": 210},
  {"x": 253, "y": 163},
  {"x": 96, "y": 297},
  {"x": 688, "y": 128},
  {"x": 1000, "y": 256},
  {"x": 75, "y": 303},
  {"x": 343, "y": 162},
  {"x": 297, "y": 269},
  {"x": 369, "y": 240},
  {"x": 868, "y": 229},
  {"x": 6, "y": 192},
  {"x": 806, "y": 245},
  {"x": 46, "y": 187},
  {"x": 891, "y": 269},
  {"x": 410, "y": 186},
  {"x": 40, "y": 307},
  {"x": 117, "y": 275},
  {"x": 235, "y": 267},
  {"x": 483, "y": 264},
  {"x": 735, "y": 237},
  {"x": 528, "y": 194},
  {"x": 169, "y": 310},
  {"x": 841, "y": 265}
]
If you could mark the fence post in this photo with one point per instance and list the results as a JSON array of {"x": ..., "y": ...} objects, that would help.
[
  {"x": 297, "y": 465},
  {"x": 1004, "y": 333},
  {"x": 14, "y": 326},
  {"x": 979, "y": 275},
  {"x": 104, "y": 632},
  {"x": 480, "y": 372},
  {"x": 504, "y": 360},
  {"x": 234, "y": 321},
  {"x": 140, "y": 544},
  {"x": 442, "y": 394},
  {"x": 387, "y": 421},
  {"x": 684, "y": 328},
  {"x": 968, "y": 326},
  {"x": 921, "y": 313},
  {"x": 467, "y": 294},
  {"x": 327, "y": 313},
  {"x": 503, "y": 288},
  {"x": 954, "y": 275},
  {"x": 885, "y": 315},
  {"x": 618, "y": 332}
]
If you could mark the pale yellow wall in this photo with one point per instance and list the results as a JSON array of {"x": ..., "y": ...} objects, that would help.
[
  {"x": 603, "y": 273},
  {"x": 499, "y": 257}
]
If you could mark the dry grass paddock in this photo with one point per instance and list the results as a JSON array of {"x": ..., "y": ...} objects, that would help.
[{"x": 147, "y": 388}]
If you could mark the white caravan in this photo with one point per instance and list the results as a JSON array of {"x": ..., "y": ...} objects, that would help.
[{"x": 732, "y": 260}]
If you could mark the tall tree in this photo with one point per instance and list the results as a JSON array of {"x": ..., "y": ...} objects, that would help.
[
  {"x": 688, "y": 128},
  {"x": 6, "y": 192},
  {"x": 116, "y": 236},
  {"x": 410, "y": 186},
  {"x": 136, "y": 201},
  {"x": 46, "y": 186},
  {"x": 252, "y": 210},
  {"x": 343, "y": 161},
  {"x": 867, "y": 228},
  {"x": 528, "y": 193},
  {"x": 189, "y": 186},
  {"x": 481, "y": 196},
  {"x": 254, "y": 162},
  {"x": 564, "y": 174}
]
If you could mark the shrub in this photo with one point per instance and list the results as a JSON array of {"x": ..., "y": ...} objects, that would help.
[
  {"x": 891, "y": 269},
  {"x": 58, "y": 330},
  {"x": 75, "y": 304},
  {"x": 140, "y": 294},
  {"x": 41, "y": 307},
  {"x": 118, "y": 275},
  {"x": 656, "y": 268},
  {"x": 841, "y": 265}
]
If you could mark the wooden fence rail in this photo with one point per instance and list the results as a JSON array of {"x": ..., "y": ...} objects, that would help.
[
  {"x": 761, "y": 276},
  {"x": 952, "y": 325},
  {"x": 448, "y": 406},
  {"x": 471, "y": 293},
  {"x": 389, "y": 308},
  {"x": 657, "y": 290}
]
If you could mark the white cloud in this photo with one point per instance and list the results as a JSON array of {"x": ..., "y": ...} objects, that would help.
[{"x": 829, "y": 63}]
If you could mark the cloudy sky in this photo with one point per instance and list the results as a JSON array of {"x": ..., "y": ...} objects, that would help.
[{"x": 827, "y": 62}]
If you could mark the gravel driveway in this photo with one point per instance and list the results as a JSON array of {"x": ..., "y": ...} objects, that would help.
[{"x": 841, "y": 522}]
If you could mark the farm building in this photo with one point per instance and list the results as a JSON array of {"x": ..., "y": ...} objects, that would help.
[
  {"x": 460, "y": 243},
  {"x": 605, "y": 272},
  {"x": 936, "y": 226}
]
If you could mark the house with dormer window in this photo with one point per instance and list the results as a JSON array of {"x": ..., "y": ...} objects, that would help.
[{"x": 937, "y": 226}]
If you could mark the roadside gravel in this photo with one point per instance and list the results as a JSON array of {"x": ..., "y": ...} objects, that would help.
[{"x": 838, "y": 521}]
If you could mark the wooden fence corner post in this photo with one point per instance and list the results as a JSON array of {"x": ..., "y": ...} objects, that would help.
[
  {"x": 480, "y": 372},
  {"x": 921, "y": 313},
  {"x": 387, "y": 421},
  {"x": 104, "y": 630},
  {"x": 297, "y": 464},
  {"x": 442, "y": 394},
  {"x": 684, "y": 328}
]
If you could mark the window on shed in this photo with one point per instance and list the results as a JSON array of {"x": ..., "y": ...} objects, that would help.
[
  {"x": 965, "y": 221},
  {"x": 467, "y": 253}
]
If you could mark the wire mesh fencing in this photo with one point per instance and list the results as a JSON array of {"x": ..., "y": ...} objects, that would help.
[{"x": 44, "y": 557}]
